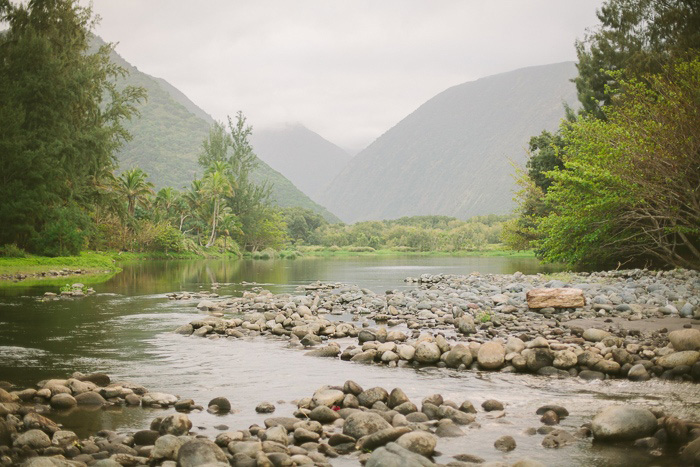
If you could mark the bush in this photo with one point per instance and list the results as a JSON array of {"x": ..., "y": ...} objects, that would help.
[
  {"x": 11, "y": 250},
  {"x": 360, "y": 249},
  {"x": 64, "y": 234}
]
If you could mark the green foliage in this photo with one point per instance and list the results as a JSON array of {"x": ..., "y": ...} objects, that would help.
[
  {"x": 637, "y": 37},
  {"x": 11, "y": 250},
  {"x": 629, "y": 188},
  {"x": 484, "y": 317},
  {"x": 64, "y": 233},
  {"x": 61, "y": 120}
]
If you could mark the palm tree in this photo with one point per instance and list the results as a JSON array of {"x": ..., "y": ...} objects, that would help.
[
  {"x": 132, "y": 184},
  {"x": 216, "y": 184}
]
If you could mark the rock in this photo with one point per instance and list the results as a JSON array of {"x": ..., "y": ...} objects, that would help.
[
  {"x": 514, "y": 345},
  {"x": 323, "y": 414},
  {"x": 595, "y": 335},
  {"x": 558, "y": 409},
  {"x": 420, "y": 442},
  {"x": 351, "y": 387},
  {"x": 99, "y": 379},
  {"x": 686, "y": 357},
  {"x": 329, "y": 351},
  {"x": 691, "y": 453},
  {"x": 620, "y": 423},
  {"x": 33, "y": 439},
  {"x": 406, "y": 352},
  {"x": 265, "y": 407},
  {"x": 278, "y": 434},
  {"x": 396, "y": 398},
  {"x": 146, "y": 437},
  {"x": 166, "y": 448},
  {"x": 5, "y": 433},
  {"x": 638, "y": 373},
  {"x": 369, "y": 397},
  {"x": 158, "y": 399},
  {"x": 491, "y": 355},
  {"x": 359, "y": 424},
  {"x": 427, "y": 352},
  {"x": 460, "y": 354},
  {"x": 63, "y": 401},
  {"x": 287, "y": 422},
  {"x": 35, "y": 421},
  {"x": 302, "y": 435},
  {"x": 505, "y": 443},
  {"x": 328, "y": 397},
  {"x": 539, "y": 358},
  {"x": 564, "y": 359},
  {"x": 555, "y": 298},
  {"x": 467, "y": 407},
  {"x": 223, "y": 405},
  {"x": 589, "y": 375},
  {"x": 176, "y": 424},
  {"x": 63, "y": 438},
  {"x": 550, "y": 417},
  {"x": 394, "y": 455},
  {"x": 465, "y": 325},
  {"x": 557, "y": 439},
  {"x": 90, "y": 398},
  {"x": 685, "y": 339},
  {"x": 8, "y": 397},
  {"x": 380, "y": 438},
  {"x": 492, "y": 404},
  {"x": 469, "y": 459}
]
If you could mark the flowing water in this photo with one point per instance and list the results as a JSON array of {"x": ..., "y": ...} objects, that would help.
[{"x": 126, "y": 328}]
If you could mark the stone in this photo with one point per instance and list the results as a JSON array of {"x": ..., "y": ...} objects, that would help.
[
  {"x": 491, "y": 355},
  {"x": 460, "y": 354},
  {"x": 555, "y": 298},
  {"x": 420, "y": 442},
  {"x": 691, "y": 453},
  {"x": 278, "y": 434},
  {"x": 638, "y": 373},
  {"x": 63, "y": 438},
  {"x": 99, "y": 379},
  {"x": 514, "y": 345},
  {"x": 539, "y": 358},
  {"x": 685, "y": 339},
  {"x": 686, "y": 357},
  {"x": 323, "y": 414},
  {"x": 427, "y": 352},
  {"x": 328, "y": 397},
  {"x": 166, "y": 448},
  {"x": 550, "y": 417},
  {"x": 505, "y": 443},
  {"x": 557, "y": 439},
  {"x": 351, "y": 387},
  {"x": 302, "y": 435},
  {"x": 158, "y": 399},
  {"x": 564, "y": 359},
  {"x": 491, "y": 405},
  {"x": 623, "y": 423},
  {"x": 35, "y": 421},
  {"x": 381, "y": 437},
  {"x": 90, "y": 398},
  {"x": 359, "y": 424},
  {"x": 394, "y": 455},
  {"x": 396, "y": 398},
  {"x": 265, "y": 407},
  {"x": 558, "y": 409},
  {"x": 223, "y": 405},
  {"x": 372, "y": 395},
  {"x": 33, "y": 439},
  {"x": 448, "y": 429},
  {"x": 176, "y": 424},
  {"x": 63, "y": 402},
  {"x": 595, "y": 335},
  {"x": 146, "y": 437}
]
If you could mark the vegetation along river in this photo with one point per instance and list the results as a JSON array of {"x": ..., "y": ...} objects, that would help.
[{"x": 126, "y": 330}]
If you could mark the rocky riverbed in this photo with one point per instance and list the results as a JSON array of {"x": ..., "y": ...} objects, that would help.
[
  {"x": 373, "y": 426},
  {"x": 633, "y": 324}
]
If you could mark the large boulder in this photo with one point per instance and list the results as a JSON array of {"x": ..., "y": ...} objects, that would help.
[
  {"x": 491, "y": 355},
  {"x": 63, "y": 401},
  {"x": 555, "y": 298},
  {"x": 427, "y": 352},
  {"x": 200, "y": 452},
  {"x": 458, "y": 355},
  {"x": 158, "y": 399},
  {"x": 327, "y": 396},
  {"x": 420, "y": 442},
  {"x": 359, "y": 424},
  {"x": 90, "y": 398},
  {"x": 177, "y": 424},
  {"x": 33, "y": 439},
  {"x": 393, "y": 455},
  {"x": 166, "y": 447},
  {"x": 685, "y": 339},
  {"x": 623, "y": 423},
  {"x": 686, "y": 357}
]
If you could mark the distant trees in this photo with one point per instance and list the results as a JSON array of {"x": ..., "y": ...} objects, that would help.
[
  {"x": 134, "y": 186},
  {"x": 60, "y": 123}
]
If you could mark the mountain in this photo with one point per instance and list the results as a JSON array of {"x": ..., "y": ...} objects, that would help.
[
  {"x": 452, "y": 155},
  {"x": 304, "y": 157},
  {"x": 168, "y": 135}
]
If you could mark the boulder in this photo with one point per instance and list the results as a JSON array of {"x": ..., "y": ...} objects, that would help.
[
  {"x": 176, "y": 424},
  {"x": 686, "y": 357},
  {"x": 166, "y": 448},
  {"x": 33, "y": 439},
  {"x": 491, "y": 355},
  {"x": 595, "y": 335},
  {"x": 90, "y": 398},
  {"x": 63, "y": 401},
  {"x": 381, "y": 437},
  {"x": 621, "y": 423},
  {"x": 359, "y": 424},
  {"x": 685, "y": 339},
  {"x": 505, "y": 443},
  {"x": 691, "y": 453},
  {"x": 394, "y": 455},
  {"x": 158, "y": 399},
  {"x": 397, "y": 397},
  {"x": 420, "y": 442},
  {"x": 427, "y": 352},
  {"x": 460, "y": 354},
  {"x": 327, "y": 396},
  {"x": 555, "y": 298}
]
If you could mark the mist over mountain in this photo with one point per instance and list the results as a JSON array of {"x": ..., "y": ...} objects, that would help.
[
  {"x": 168, "y": 135},
  {"x": 304, "y": 157},
  {"x": 452, "y": 155}
]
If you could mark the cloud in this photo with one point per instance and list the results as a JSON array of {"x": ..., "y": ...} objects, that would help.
[{"x": 347, "y": 69}]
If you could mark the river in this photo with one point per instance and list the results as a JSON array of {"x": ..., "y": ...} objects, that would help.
[{"x": 125, "y": 330}]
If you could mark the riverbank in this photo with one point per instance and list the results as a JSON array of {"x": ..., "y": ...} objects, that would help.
[{"x": 324, "y": 252}]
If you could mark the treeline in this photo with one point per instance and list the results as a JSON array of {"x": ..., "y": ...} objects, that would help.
[
  {"x": 419, "y": 233},
  {"x": 619, "y": 182}
]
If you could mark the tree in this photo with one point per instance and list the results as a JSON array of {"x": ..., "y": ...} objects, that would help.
[
  {"x": 629, "y": 191},
  {"x": 637, "y": 36},
  {"x": 216, "y": 184},
  {"x": 134, "y": 187},
  {"x": 60, "y": 114}
]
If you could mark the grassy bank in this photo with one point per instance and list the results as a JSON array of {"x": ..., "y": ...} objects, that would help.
[{"x": 91, "y": 262}]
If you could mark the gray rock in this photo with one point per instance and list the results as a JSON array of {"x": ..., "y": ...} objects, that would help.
[
  {"x": 372, "y": 395},
  {"x": 381, "y": 437},
  {"x": 595, "y": 335},
  {"x": 63, "y": 438},
  {"x": 397, "y": 397},
  {"x": 618, "y": 423},
  {"x": 394, "y": 455},
  {"x": 90, "y": 398},
  {"x": 328, "y": 397},
  {"x": 176, "y": 424},
  {"x": 166, "y": 447},
  {"x": 492, "y": 404},
  {"x": 491, "y": 355},
  {"x": 63, "y": 401},
  {"x": 686, "y": 357},
  {"x": 458, "y": 355},
  {"x": 691, "y": 453},
  {"x": 158, "y": 399},
  {"x": 198, "y": 452},
  {"x": 685, "y": 339},
  {"x": 638, "y": 373},
  {"x": 33, "y": 439},
  {"x": 557, "y": 439},
  {"x": 360, "y": 424},
  {"x": 323, "y": 414},
  {"x": 420, "y": 442},
  {"x": 505, "y": 443},
  {"x": 427, "y": 352},
  {"x": 265, "y": 407},
  {"x": 223, "y": 404}
]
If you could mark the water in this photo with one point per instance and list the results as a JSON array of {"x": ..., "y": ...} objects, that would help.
[{"x": 125, "y": 330}]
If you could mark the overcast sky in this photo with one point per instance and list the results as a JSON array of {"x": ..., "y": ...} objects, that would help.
[{"x": 348, "y": 70}]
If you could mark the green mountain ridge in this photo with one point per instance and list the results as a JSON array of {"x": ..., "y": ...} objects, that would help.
[
  {"x": 453, "y": 155},
  {"x": 167, "y": 138}
]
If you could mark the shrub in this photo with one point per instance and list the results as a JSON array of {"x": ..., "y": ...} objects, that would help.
[
  {"x": 11, "y": 250},
  {"x": 64, "y": 234}
]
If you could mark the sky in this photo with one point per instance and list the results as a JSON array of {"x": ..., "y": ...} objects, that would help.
[{"x": 346, "y": 69}]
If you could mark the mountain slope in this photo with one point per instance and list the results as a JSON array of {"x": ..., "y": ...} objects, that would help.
[
  {"x": 304, "y": 157},
  {"x": 168, "y": 135},
  {"x": 452, "y": 156}
]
